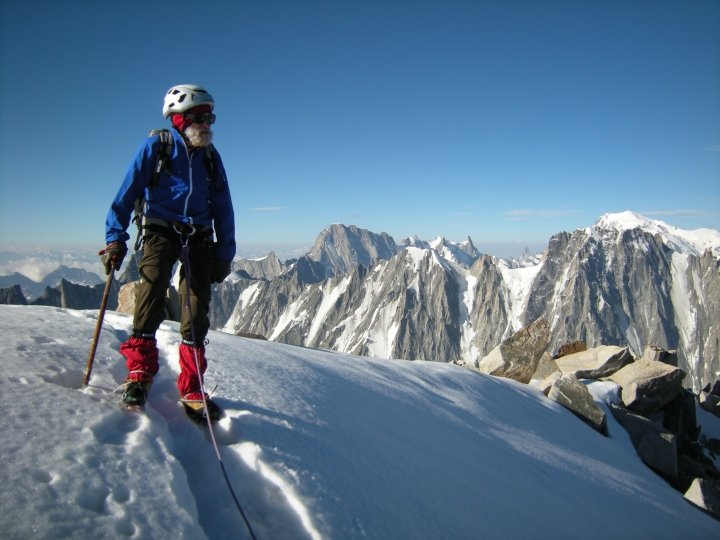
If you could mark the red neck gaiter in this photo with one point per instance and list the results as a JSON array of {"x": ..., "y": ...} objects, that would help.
[{"x": 181, "y": 123}]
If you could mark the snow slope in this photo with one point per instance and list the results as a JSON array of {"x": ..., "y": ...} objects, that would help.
[{"x": 316, "y": 444}]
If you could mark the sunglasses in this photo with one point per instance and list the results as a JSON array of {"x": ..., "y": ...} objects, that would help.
[{"x": 200, "y": 118}]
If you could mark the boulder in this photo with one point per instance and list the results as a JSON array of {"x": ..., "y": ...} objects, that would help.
[
  {"x": 128, "y": 294},
  {"x": 656, "y": 446},
  {"x": 658, "y": 354},
  {"x": 546, "y": 384},
  {"x": 647, "y": 386},
  {"x": 574, "y": 396},
  {"x": 571, "y": 348},
  {"x": 545, "y": 368},
  {"x": 714, "y": 389},
  {"x": 126, "y": 298},
  {"x": 595, "y": 363},
  {"x": 710, "y": 403},
  {"x": 518, "y": 356},
  {"x": 705, "y": 493}
]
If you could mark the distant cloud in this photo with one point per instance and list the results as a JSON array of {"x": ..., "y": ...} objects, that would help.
[
  {"x": 268, "y": 209},
  {"x": 713, "y": 147},
  {"x": 521, "y": 214}
]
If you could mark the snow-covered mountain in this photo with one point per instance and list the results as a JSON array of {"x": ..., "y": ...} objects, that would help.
[
  {"x": 316, "y": 445},
  {"x": 626, "y": 280}
]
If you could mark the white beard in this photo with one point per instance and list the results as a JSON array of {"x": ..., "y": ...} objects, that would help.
[{"x": 198, "y": 135}]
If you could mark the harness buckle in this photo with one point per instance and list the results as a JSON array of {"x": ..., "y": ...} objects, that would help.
[{"x": 184, "y": 229}]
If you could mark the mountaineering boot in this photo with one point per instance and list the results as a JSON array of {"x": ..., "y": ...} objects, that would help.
[
  {"x": 135, "y": 393},
  {"x": 195, "y": 408},
  {"x": 141, "y": 358}
]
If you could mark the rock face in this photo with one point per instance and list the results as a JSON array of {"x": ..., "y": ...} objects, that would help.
[
  {"x": 632, "y": 285},
  {"x": 268, "y": 267},
  {"x": 341, "y": 248}
]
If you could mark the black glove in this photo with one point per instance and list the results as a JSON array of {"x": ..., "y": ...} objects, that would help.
[
  {"x": 112, "y": 256},
  {"x": 220, "y": 270}
]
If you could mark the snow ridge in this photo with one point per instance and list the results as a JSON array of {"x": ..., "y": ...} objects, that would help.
[
  {"x": 694, "y": 242},
  {"x": 316, "y": 444}
]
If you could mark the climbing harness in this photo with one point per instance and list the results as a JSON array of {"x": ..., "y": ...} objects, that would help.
[{"x": 185, "y": 233}]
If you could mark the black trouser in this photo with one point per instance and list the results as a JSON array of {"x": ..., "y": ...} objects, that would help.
[{"x": 160, "y": 252}]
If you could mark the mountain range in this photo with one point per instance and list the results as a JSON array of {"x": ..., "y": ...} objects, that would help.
[{"x": 626, "y": 280}]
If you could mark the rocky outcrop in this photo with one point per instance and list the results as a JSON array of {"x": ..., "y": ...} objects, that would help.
[
  {"x": 518, "y": 356},
  {"x": 574, "y": 396},
  {"x": 72, "y": 296},
  {"x": 648, "y": 385},
  {"x": 128, "y": 294},
  {"x": 709, "y": 399},
  {"x": 656, "y": 446},
  {"x": 571, "y": 348},
  {"x": 13, "y": 295},
  {"x": 653, "y": 407},
  {"x": 705, "y": 493},
  {"x": 595, "y": 363}
]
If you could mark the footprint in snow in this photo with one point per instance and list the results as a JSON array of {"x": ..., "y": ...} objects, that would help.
[{"x": 115, "y": 427}]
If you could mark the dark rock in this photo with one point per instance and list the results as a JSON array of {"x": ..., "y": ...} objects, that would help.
[
  {"x": 574, "y": 396},
  {"x": 656, "y": 446}
]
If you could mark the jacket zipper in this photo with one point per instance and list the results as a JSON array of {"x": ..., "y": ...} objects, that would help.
[{"x": 190, "y": 191}]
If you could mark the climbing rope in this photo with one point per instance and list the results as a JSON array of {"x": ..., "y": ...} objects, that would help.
[{"x": 185, "y": 258}]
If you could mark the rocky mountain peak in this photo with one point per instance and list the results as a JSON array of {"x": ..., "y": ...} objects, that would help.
[{"x": 340, "y": 248}]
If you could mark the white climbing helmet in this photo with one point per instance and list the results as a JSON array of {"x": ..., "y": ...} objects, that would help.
[{"x": 182, "y": 97}]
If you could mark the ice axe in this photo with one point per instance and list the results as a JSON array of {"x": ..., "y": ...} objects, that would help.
[{"x": 98, "y": 326}]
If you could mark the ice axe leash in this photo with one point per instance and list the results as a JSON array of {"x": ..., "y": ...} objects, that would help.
[
  {"x": 98, "y": 326},
  {"x": 185, "y": 258}
]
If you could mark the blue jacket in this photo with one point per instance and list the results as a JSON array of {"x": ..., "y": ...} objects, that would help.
[{"x": 184, "y": 196}]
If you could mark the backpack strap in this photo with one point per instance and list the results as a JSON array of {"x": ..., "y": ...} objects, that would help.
[
  {"x": 211, "y": 166},
  {"x": 164, "y": 153},
  {"x": 162, "y": 161}
]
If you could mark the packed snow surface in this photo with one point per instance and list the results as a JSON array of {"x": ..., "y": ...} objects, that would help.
[{"x": 316, "y": 445}]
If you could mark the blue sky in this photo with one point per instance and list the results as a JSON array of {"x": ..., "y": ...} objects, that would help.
[{"x": 503, "y": 121}]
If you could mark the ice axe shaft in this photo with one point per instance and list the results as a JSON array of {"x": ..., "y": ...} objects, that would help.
[{"x": 98, "y": 327}]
